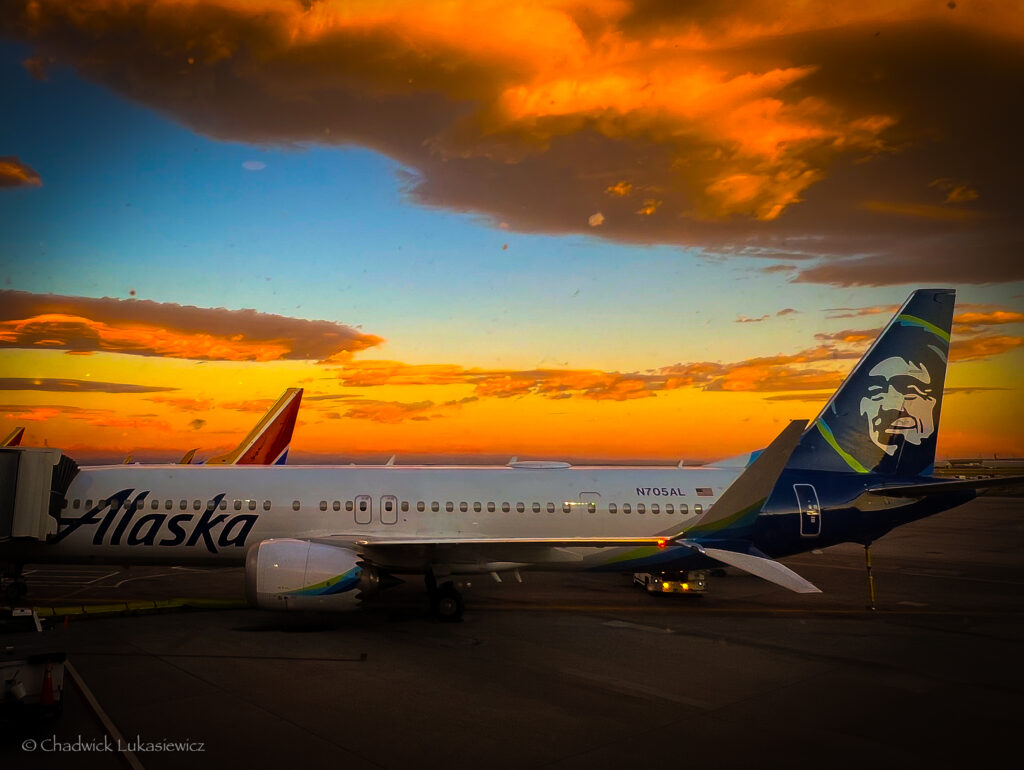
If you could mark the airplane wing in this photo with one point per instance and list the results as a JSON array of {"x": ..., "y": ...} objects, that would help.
[
  {"x": 268, "y": 442},
  {"x": 929, "y": 488}
]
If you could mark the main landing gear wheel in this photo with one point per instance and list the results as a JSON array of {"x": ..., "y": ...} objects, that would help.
[
  {"x": 445, "y": 601},
  {"x": 15, "y": 591},
  {"x": 448, "y": 606}
]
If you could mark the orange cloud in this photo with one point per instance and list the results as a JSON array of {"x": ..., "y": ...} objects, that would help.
[
  {"x": 966, "y": 323},
  {"x": 730, "y": 115},
  {"x": 16, "y": 173},
  {"x": 143, "y": 327},
  {"x": 983, "y": 346},
  {"x": 184, "y": 404}
]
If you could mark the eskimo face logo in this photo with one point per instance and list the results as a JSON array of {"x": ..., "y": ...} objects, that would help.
[{"x": 900, "y": 403}]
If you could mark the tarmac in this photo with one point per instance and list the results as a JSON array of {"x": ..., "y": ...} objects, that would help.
[{"x": 565, "y": 670}]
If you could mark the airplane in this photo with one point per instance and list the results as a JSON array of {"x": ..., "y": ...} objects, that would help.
[
  {"x": 14, "y": 437},
  {"x": 326, "y": 537}
]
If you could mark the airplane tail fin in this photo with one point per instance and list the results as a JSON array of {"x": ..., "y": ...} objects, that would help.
[
  {"x": 268, "y": 442},
  {"x": 13, "y": 438},
  {"x": 884, "y": 418}
]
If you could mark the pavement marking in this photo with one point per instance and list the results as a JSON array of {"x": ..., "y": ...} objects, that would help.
[
  {"x": 634, "y": 689},
  {"x": 108, "y": 725},
  {"x": 637, "y": 627}
]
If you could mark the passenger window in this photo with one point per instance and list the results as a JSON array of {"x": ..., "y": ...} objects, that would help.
[
  {"x": 154, "y": 504},
  {"x": 551, "y": 507},
  {"x": 421, "y": 506},
  {"x": 477, "y": 507},
  {"x": 348, "y": 506},
  {"x": 196, "y": 505},
  {"x": 449, "y": 507},
  {"x": 323, "y": 505},
  {"x": 435, "y": 506},
  {"x": 405, "y": 506},
  {"x": 76, "y": 504},
  {"x": 641, "y": 508},
  {"x": 683, "y": 509},
  {"x": 88, "y": 503},
  {"x": 238, "y": 505},
  {"x": 223, "y": 505},
  {"x": 536, "y": 507},
  {"x": 591, "y": 507},
  {"x": 183, "y": 505},
  {"x": 295, "y": 505},
  {"x": 463, "y": 507},
  {"x": 168, "y": 504},
  {"x": 252, "y": 505},
  {"x": 490, "y": 507},
  {"x": 697, "y": 508},
  {"x": 613, "y": 508},
  {"x": 626, "y": 508},
  {"x": 566, "y": 507},
  {"x": 669, "y": 508},
  {"x": 336, "y": 505},
  {"x": 266, "y": 505},
  {"x": 655, "y": 508},
  {"x": 362, "y": 506},
  {"x": 520, "y": 507},
  {"x": 504, "y": 508}
]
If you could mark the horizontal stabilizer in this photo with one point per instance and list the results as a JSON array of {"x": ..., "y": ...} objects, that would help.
[
  {"x": 741, "y": 503},
  {"x": 928, "y": 488},
  {"x": 759, "y": 566}
]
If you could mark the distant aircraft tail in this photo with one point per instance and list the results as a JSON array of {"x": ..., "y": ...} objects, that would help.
[
  {"x": 884, "y": 418},
  {"x": 268, "y": 442},
  {"x": 14, "y": 437}
]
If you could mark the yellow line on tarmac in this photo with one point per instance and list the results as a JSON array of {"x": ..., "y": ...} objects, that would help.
[{"x": 137, "y": 605}]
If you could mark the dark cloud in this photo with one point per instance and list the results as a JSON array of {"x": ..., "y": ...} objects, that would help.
[
  {"x": 147, "y": 328},
  {"x": 75, "y": 386},
  {"x": 877, "y": 143}
]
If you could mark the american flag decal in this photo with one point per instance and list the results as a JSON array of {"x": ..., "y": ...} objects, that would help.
[{"x": 704, "y": 492}]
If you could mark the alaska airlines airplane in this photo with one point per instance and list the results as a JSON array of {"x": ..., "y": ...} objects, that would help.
[{"x": 323, "y": 537}]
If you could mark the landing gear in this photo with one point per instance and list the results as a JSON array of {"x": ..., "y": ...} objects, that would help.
[
  {"x": 14, "y": 587},
  {"x": 445, "y": 600}
]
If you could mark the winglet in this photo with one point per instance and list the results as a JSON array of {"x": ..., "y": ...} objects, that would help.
[
  {"x": 186, "y": 459},
  {"x": 739, "y": 505},
  {"x": 14, "y": 437},
  {"x": 268, "y": 442}
]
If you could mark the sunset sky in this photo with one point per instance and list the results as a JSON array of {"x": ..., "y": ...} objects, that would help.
[{"x": 613, "y": 230}]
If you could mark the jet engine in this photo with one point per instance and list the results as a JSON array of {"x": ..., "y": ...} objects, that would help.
[{"x": 288, "y": 574}]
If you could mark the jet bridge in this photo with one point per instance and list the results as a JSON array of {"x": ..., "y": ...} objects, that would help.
[{"x": 33, "y": 484}]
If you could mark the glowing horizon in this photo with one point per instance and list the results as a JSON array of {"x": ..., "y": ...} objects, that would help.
[{"x": 625, "y": 231}]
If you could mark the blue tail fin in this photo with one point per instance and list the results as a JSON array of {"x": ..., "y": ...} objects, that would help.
[{"x": 885, "y": 416}]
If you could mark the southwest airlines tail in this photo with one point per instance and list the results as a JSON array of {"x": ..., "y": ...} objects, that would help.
[
  {"x": 13, "y": 438},
  {"x": 268, "y": 442},
  {"x": 885, "y": 416}
]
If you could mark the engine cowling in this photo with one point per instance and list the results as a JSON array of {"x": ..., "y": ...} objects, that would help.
[{"x": 289, "y": 574}]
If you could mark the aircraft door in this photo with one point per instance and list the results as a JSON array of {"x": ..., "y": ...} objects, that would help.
[
  {"x": 810, "y": 510},
  {"x": 364, "y": 509},
  {"x": 389, "y": 509}
]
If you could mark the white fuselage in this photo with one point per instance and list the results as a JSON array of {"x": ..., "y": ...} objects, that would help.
[{"x": 211, "y": 514}]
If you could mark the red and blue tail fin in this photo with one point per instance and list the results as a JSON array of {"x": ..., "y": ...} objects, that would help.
[{"x": 268, "y": 442}]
